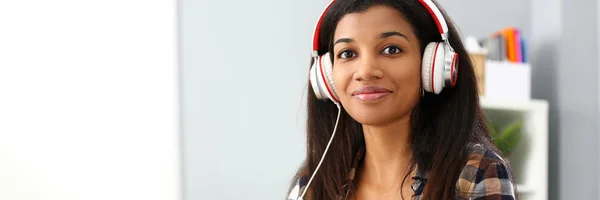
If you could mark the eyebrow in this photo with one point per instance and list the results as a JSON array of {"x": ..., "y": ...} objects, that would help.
[
  {"x": 346, "y": 40},
  {"x": 383, "y": 35},
  {"x": 392, "y": 33}
]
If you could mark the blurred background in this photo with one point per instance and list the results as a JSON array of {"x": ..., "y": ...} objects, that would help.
[{"x": 198, "y": 99}]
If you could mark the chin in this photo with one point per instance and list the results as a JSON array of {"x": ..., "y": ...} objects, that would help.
[{"x": 373, "y": 116}]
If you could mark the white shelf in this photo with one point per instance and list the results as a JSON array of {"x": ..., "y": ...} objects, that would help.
[
  {"x": 514, "y": 105},
  {"x": 525, "y": 189},
  {"x": 529, "y": 160}
]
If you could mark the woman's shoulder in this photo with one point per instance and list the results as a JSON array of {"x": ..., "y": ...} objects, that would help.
[{"x": 485, "y": 176}]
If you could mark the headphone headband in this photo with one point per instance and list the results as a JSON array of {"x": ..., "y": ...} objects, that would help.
[
  {"x": 437, "y": 17},
  {"x": 428, "y": 4},
  {"x": 318, "y": 30}
]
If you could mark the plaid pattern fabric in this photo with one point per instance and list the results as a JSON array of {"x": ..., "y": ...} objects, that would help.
[{"x": 485, "y": 176}]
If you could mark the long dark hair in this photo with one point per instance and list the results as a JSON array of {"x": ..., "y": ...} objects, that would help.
[{"x": 442, "y": 125}]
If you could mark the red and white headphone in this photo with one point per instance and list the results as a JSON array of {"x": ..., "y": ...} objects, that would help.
[{"x": 438, "y": 67}]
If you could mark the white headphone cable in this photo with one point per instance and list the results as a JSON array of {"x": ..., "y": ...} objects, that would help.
[{"x": 324, "y": 153}]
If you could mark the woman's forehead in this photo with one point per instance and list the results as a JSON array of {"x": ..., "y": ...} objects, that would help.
[{"x": 372, "y": 22}]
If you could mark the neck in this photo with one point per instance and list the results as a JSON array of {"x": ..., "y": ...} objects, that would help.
[{"x": 387, "y": 156}]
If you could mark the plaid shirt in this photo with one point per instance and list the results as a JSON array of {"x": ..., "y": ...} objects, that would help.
[{"x": 485, "y": 176}]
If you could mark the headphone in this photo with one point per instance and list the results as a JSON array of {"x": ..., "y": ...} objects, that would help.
[{"x": 438, "y": 67}]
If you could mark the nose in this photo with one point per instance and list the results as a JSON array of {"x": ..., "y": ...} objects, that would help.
[{"x": 368, "y": 69}]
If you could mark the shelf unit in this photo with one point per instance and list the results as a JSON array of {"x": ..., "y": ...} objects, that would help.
[{"x": 529, "y": 160}]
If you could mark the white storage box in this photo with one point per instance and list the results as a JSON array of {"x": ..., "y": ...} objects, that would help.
[{"x": 507, "y": 80}]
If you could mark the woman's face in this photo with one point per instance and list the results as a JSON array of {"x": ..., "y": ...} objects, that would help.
[{"x": 377, "y": 65}]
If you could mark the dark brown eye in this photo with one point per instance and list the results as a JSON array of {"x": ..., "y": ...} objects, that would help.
[
  {"x": 346, "y": 54},
  {"x": 391, "y": 50}
]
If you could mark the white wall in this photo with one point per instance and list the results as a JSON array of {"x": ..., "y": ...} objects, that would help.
[
  {"x": 88, "y": 100},
  {"x": 480, "y": 18},
  {"x": 245, "y": 72},
  {"x": 577, "y": 109}
]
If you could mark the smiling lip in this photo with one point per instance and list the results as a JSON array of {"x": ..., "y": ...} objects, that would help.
[{"x": 371, "y": 93}]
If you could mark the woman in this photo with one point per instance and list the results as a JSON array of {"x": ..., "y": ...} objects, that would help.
[{"x": 409, "y": 124}]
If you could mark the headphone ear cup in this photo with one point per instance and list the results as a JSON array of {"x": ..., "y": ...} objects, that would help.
[
  {"x": 328, "y": 72},
  {"x": 314, "y": 79},
  {"x": 454, "y": 69},
  {"x": 432, "y": 67}
]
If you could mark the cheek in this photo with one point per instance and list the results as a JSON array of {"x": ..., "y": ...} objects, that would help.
[
  {"x": 406, "y": 75},
  {"x": 341, "y": 79}
]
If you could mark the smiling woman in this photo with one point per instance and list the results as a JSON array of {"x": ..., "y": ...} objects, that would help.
[
  {"x": 376, "y": 47},
  {"x": 409, "y": 123}
]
